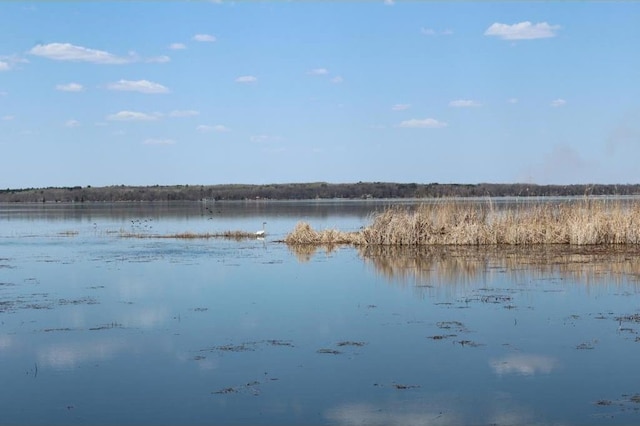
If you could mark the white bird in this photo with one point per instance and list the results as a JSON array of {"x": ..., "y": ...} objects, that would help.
[{"x": 262, "y": 232}]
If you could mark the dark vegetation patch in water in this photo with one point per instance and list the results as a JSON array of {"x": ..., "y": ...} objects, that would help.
[
  {"x": 87, "y": 300},
  {"x": 109, "y": 326},
  {"x": 248, "y": 346}
]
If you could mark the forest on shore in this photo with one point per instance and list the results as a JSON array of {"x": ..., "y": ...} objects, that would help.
[{"x": 304, "y": 191}]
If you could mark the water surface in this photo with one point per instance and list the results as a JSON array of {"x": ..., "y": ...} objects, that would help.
[{"x": 100, "y": 329}]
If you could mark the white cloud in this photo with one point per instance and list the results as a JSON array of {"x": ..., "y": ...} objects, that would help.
[
  {"x": 72, "y": 123},
  {"x": 432, "y": 32},
  {"x": 400, "y": 107},
  {"x": 246, "y": 79},
  {"x": 558, "y": 103},
  {"x": 512, "y": 100},
  {"x": 389, "y": 2},
  {"x": 131, "y": 116},
  {"x": 4, "y": 66},
  {"x": 337, "y": 79},
  {"x": 177, "y": 46},
  {"x": 522, "y": 31},
  {"x": 464, "y": 103},
  {"x": 431, "y": 123},
  {"x": 70, "y": 87},
  {"x": 204, "y": 38},
  {"x": 203, "y": 128},
  {"x": 152, "y": 141},
  {"x": 8, "y": 117},
  {"x": 319, "y": 71},
  {"x": 221, "y": 128},
  {"x": 184, "y": 113},
  {"x": 141, "y": 86},
  {"x": 70, "y": 52},
  {"x": 163, "y": 59}
]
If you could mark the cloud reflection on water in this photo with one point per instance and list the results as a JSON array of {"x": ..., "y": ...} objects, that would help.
[
  {"x": 70, "y": 355},
  {"x": 368, "y": 414},
  {"x": 523, "y": 364}
]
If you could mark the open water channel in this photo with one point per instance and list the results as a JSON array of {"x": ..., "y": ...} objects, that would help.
[{"x": 96, "y": 328}]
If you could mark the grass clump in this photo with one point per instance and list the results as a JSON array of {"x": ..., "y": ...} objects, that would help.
[{"x": 589, "y": 222}]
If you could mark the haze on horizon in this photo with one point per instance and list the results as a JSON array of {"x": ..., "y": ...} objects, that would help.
[{"x": 210, "y": 92}]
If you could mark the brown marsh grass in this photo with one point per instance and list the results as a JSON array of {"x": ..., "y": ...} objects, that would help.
[
  {"x": 588, "y": 222},
  {"x": 231, "y": 235}
]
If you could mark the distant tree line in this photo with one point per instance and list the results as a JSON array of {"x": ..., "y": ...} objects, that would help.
[{"x": 304, "y": 191}]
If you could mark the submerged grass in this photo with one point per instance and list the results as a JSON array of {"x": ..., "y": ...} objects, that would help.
[{"x": 589, "y": 222}]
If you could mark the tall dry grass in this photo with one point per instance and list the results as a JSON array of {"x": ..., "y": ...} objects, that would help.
[{"x": 589, "y": 222}]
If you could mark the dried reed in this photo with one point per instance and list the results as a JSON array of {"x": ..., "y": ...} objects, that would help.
[
  {"x": 231, "y": 235},
  {"x": 589, "y": 222}
]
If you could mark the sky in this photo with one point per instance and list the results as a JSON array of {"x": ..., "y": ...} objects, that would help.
[{"x": 213, "y": 92}]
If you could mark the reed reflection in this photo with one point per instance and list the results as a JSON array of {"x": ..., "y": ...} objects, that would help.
[{"x": 460, "y": 265}]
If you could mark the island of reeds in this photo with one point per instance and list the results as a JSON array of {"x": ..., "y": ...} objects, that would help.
[{"x": 588, "y": 222}]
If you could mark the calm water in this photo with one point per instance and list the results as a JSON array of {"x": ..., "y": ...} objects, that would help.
[{"x": 100, "y": 329}]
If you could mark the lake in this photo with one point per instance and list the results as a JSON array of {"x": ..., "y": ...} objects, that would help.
[{"x": 96, "y": 328}]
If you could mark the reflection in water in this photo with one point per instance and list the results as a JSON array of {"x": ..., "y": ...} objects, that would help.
[
  {"x": 523, "y": 364},
  {"x": 459, "y": 265},
  {"x": 70, "y": 355},
  {"x": 367, "y": 414},
  {"x": 501, "y": 410},
  {"x": 305, "y": 252}
]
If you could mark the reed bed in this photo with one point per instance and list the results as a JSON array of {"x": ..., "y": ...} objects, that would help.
[
  {"x": 231, "y": 235},
  {"x": 588, "y": 222}
]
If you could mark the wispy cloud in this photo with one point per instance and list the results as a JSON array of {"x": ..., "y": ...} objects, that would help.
[
  {"x": 464, "y": 103},
  {"x": 400, "y": 107},
  {"x": 177, "y": 46},
  {"x": 558, "y": 103},
  {"x": 522, "y": 31},
  {"x": 157, "y": 59},
  {"x": 512, "y": 100},
  {"x": 389, "y": 2},
  {"x": 132, "y": 116},
  {"x": 204, "y": 38},
  {"x": 318, "y": 71},
  {"x": 263, "y": 138},
  {"x": 9, "y": 62},
  {"x": 72, "y": 123},
  {"x": 70, "y": 52},
  {"x": 8, "y": 117},
  {"x": 432, "y": 32},
  {"x": 141, "y": 86},
  {"x": 152, "y": 141},
  {"x": 70, "y": 87},
  {"x": 246, "y": 79},
  {"x": 337, "y": 79},
  {"x": 204, "y": 128},
  {"x": 430, "y": 123},
  {"x": 220, "y": 128},
  {"x": 184, "y": 113}
]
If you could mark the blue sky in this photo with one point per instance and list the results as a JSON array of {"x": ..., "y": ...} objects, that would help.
[{"x": 203, "y": 92}]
